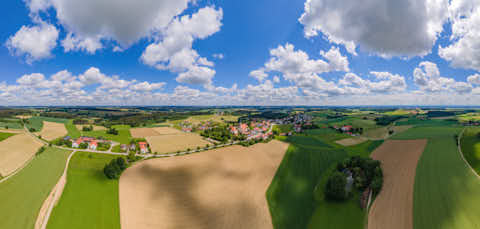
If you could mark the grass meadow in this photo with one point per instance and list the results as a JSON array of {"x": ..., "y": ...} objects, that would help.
[
  {"x": 22, "y": 196},
  {"x": 470, "y": 143},
  {"x": 292, "y": 195},
  {"x": 72, "y": 129},
  {"x": 123, "y": 136},
  {"x": 89, "y": 199},
  {"x": 446, "y": 190},
  {"x": 4, "y": 136}
]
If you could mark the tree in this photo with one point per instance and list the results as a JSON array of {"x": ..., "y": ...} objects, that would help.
[
  {"x": 335, "y": 189},
  {"x": 122, "y": 164},
  {"x": 110, "y": 171}
]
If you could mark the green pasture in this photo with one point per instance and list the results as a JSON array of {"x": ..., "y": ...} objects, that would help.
[
  {"x": 22, "y": 196},
  {"x": 9, "y": 123},
  {"x": 36, "y": 122},
  {"x": 72, "y": 129},
  {"x": 123, "y": 136},
  {"x": 283, "y": 128},
  {"x": 426, "y": 122},
  {"x": 89, "y": 200}
]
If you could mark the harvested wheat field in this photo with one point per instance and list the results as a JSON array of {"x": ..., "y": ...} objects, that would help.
[
  {"x": 95, "y": 128},
  {"x": 222, "y": 188},
  {"x": 53, "y": 130},
  {"x": 15, "y": 151},
  {"x": 167, "y": 130},
  {"x": 175, "y": 142},
  {"x": 351, "y": 141},
  {"x": 393, "y": 207},
  {"x": 143, "y": 132}
]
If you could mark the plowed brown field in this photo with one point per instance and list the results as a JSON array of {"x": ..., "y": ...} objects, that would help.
[
  {"x": 222, "y": 188},
  {"x": 393, "y": 207}
]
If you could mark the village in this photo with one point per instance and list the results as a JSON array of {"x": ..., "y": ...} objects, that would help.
[{"x": 95, "y": 144}]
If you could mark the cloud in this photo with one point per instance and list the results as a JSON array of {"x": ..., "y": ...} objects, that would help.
[
  {"x": 35, "y": 42},
  {"x": 174, "y": 51},
  {"x": 474, "y": 79},
  {"x": 146, "y": 86},
  {"x": 386, "y": 28},
  {"x": 464, "y": 49},
  {"x": 259, "y": 74},
  {"x": 427, "y": 77},
  {"x": 219, "y": 56}
]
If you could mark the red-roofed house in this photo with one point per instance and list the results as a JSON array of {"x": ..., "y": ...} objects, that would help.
[
  {"x": 143, "y": 147},
  {"x": 93, "y": 145},
  {"x": 76, "y": 143},
  {"x": 346, "y": 128}
]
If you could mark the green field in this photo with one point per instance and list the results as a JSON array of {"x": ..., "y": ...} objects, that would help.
[
  {"x": 22, "y": 195},
  {"x": 4, "y": 136},
  {"x": 291, "y": 195},
  {"x": 284, "y": 128},
  {"x": 470, "y": 143},
  {"x": 8, "y": 123},
  {"x": 123, "y": 136},
  {"x": 426, "y": 122},
  {"x": 446, "y": 193},
  {"x": 36, "y": 122},
  {"x": 72, "y": 129},
  {"x": 89, "y": 200}
]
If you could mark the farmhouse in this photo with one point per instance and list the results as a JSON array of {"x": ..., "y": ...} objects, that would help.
[
  {"x": 93, "y": 145},
  {"x": 143, "y": 147},
  {"x": 76, "y": 143}
]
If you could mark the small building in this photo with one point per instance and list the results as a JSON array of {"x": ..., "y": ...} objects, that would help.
[
  {"x": 133, "y": 147},
  {"x": 123, "y": 147},
  {"x": 143, "y": 147},
  {"x": 93, "y": 145},
  {"x": 76, "y": 143}
]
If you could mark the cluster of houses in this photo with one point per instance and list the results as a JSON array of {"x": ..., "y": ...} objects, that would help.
[
  {"x": 296, "y": 119},
  {"x": 348, "y": 129},
  {"x": 143, "y": 146},
  {"x": 91, "y": 141},
  {"x": 186, "y": 126},
  {"x": 254, "y": 130}
]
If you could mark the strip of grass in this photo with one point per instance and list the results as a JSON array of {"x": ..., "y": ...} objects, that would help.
[
  {"x": 89, "y": 200},
  {"x": 123, "y": 136},
  {"x": 470, "y": 143},
  {"x": 4, "y": 136},
  {"x": 22, "y": 196},
  {"x": 446, "y": 193},
  {"x": 72, "y": 129}
]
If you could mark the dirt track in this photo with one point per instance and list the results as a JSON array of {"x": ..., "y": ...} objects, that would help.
[
  {"x": 223, "y": 188},
  {"x": 393, "y": 207}
]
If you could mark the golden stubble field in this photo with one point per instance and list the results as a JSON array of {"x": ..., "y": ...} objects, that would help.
[
  {"x": 53, "y": 130},
  {"x": 222, "y": 188},
  {"x": 15, "y": 151},
  {"x": 156, "y": 131},
  {"x": 175, "y": 142},
  {"x": 393, "y": 207}
]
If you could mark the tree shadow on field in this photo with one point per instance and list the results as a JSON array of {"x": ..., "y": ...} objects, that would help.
[{"x": 180, "y": 185}]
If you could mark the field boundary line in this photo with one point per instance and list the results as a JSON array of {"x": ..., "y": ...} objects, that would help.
[
  {"x": 53, "y": 198},
  {"x": 461, "y": 154}
]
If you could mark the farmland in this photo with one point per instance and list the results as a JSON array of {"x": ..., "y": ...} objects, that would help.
[
  {"x": 123, "y": 136},
  {"x": 20, "y": 204},
  {"x": 196, "y": 191},
  {"x": 52, "y": 130},
  {"x": 94, "y": 197},
  {"x": 443, "y": 180},
  {"x": 36, "y": 122},
  {"x": 470, "y": 143},
  {"x": 308, "y": 159},
  {"x": 4, "y": 136},
  {"x": 175, "y": 142},
  {"x": 399, "y": 161},
  {"x": 15, "y": 151}
]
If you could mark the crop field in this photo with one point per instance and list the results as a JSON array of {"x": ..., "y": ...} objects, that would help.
[
  {"x": 4, "y": 135},
  {"x": 89, "y": 199},
  {"x": 144, "y": 132},
  {"x": 221, "y": 188},
  {"x": 52, "y": 130},
  {"x": 469, "y": 117},
  {"x": 175, "y": 142},
  {"x": 351, "y": 141},
  {"x": 72, "y": 129},
  {"x": 214, "y": 118},
  {"x": 393, "y": 206},
  {"x": 22, "y": 195},
  {"x": 427, "y": 122},
  {"x": 36, "y": 122},
  {"x": 470, "y": 143},
  {"x": 95, "y": 128},
  {"x": 366, "y": 124},
  {"x": 10, "y": 124},
  {"x": 443, "y": 180},
  {"x": 123, "y": 136},
  {"x": 15, "y": 151}
]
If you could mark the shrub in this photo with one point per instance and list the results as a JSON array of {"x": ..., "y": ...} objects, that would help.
[
  {"x": 335, "y": 189},
  {"x": 40, "y": 151},
  {"x": 114, "y": 169}
]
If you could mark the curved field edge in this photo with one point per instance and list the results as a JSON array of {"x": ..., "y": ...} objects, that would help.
[
  {"x": 21, "y": 203},
  {"x": 292, "y": 196},
  {"x": 470, "y": 145},
  {"x": 445, "y": 190},
  {"x": 89, "y": 199}
]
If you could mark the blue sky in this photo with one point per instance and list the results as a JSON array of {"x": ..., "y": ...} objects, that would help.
[{"x": 313, "y": 52}]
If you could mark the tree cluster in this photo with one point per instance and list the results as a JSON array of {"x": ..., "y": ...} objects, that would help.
[
  {"x": 87, "y": 128},
  {"x": 114, "y": 169},
  {"x": 112, "y": 131},
  {"x": 219, "y": 133}
]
